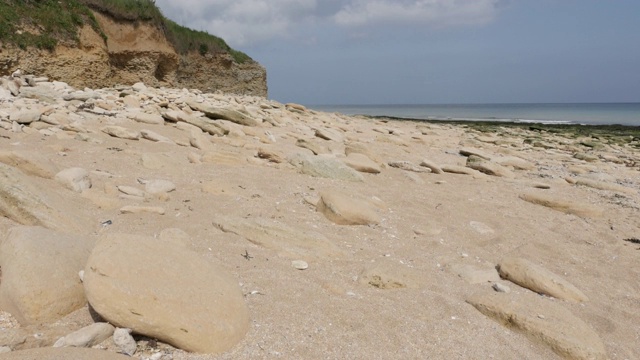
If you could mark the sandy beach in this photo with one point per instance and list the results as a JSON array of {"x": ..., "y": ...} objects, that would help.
[{"x": 345, "y": 237}]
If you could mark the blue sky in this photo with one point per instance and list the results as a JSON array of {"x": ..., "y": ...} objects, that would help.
[{"x": 431, "y": 51}]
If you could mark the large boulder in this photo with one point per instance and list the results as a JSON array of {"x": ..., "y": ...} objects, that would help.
[
  {"x": 161, "y": 289},
  {"x": 40, "y": 267}
]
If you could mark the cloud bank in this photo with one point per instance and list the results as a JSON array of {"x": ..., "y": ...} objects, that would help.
[{"x": 247, "y": 22}]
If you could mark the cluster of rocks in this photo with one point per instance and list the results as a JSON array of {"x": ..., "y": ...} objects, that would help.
[{"x": 53, "y": 263}]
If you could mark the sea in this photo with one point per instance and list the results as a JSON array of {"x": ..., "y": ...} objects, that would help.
[{"x": 627, "y": 114}]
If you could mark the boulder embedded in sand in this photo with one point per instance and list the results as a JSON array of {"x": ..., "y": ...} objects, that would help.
[
  {"x": 327, "y": 167},
  {"x": 544, "y": 321},
  {"x": 163, "y": 290},
  {"x": 361, "y": 163},
  {"x": 75, "y": 179},
  {"x": 343, "y": 209},
  {"x": 538, "y": 279},
  {"x": 488, "y": 167},
  {"x": 565, "y": 206},
  {"x": 40, "y": 273},
  {"x": 213, "y": 112}
]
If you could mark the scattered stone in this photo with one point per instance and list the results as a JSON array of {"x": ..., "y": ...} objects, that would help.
[
  {"x": 150, "y": 135},
  {"x": 559, "y": 329},
  {"x": 124, "y": 341},
  {"x": 181, "y": 314},
  {"x": 431, "y": 166},
  {"x": 329, "y": 134},
  {"x": 343, "y": 209},
  {"x": 299, "y": 264},
  {"x": 565, "y": 206},
  {"x": 455, "y": 169},
  {"x": 25, "y": 116},
  {"x": 361, "y": 163},
  {"x": 88, "y": 336},
  {"x": 514, "y": 162},
  {"x": 475, "y": 152},
  {"x": 120, "y": 132},
  {"x": 159, "y": 186},
  {"x": 224, "y": 114},
  {"x": 270, "y": 156},
  {"x": 407, "y": 166},
  {"x": 147, "y": 118},
  {"x": 501, "y": 288},
  {"x": 327, "y": 167},
  {"x": 538, "y": 279},
  {"x": 315, "y": 147},
  {"x": 488, "y": 167},
  {"x": 74, "y": 179},
  {"x": 37, "y": 287},
  {"x": 142, "y": 209},
  {"x": 130, "y": 190}
]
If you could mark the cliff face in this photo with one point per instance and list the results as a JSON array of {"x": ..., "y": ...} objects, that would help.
[{"x": 135, "y": 53}]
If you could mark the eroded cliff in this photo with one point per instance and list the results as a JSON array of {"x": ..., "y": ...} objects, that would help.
[{"x": 134, "y": 52}]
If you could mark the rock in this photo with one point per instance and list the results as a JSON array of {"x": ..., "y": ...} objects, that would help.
[
  {"x": 124, "y": 341},
  {"x": 288, "y": 241},
  {"x": 388, "y": 275},
  {"x": 601, "y": 185},
  {"x": 40, "y": 273},
  {"x": 586, "y": 157},
  {"x": 199, "y": 140},
  {"x": 299, "y": 264},
  {"x": 130, "y": 190},
  {"x": 431, "y": 166},
  {"x": 295, "y": 107},
  {"x": 474, "y": 274},
  {"x": 565, "y": 206},
  {"x": 474, "y": 152},
  {"x": 343, "y": 209},
  {"x": 88, "y": 336},
  {"x": 30, "y": 163},
  {"x": 130, "y": 209},
  {"x": 327, "y": 167},
  {"x": 329, "y": 134},
  {"x": 14, "y": 87},
  {"x": 213, "y": 112},
  {"x": 120, "y": 132},
  {"x": 189, "y": 302},
  {"x": 22, "y": 201},
  {"x": 202, "y": 123},
  {"x": 315, "y": 147},
  {"x": 455, "y": 169},
  {"x": 405, "y": 165},
  {"x": 150, "y": 135},
  {"x": 538, "y": 279},
  {"x": 63, "y": 353},
  {"x": 147, "y": 118},
  {"x": 270, "y": 156},
  {"x": 488, "y": 167},
  {"x": 361, "y": 163},
  {"x": 542, "y": 320},
  {"x": 159, "y": 186},
  {"x": 501, "y": 288},
  {"x": 74, "y": 179},
  {"x": 25, "y": 116},
  {"x": 514, "y": 162}
]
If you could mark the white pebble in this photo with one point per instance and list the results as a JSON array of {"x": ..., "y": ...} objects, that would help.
[{"x": 299, "y": 264}]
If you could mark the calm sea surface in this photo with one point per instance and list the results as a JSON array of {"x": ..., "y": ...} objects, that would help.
[{"x": 582, "y": 113}]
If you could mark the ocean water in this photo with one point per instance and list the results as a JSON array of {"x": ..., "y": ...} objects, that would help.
[{"x": 580, "y": 113}]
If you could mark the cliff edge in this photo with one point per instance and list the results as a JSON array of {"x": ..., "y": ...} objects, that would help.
[{"x": 126, "y": 52}]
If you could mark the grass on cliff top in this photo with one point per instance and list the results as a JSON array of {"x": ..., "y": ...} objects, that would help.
[{"x": 51, "y": 21}]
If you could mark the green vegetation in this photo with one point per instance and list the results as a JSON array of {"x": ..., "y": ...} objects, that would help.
[{"x": 44, "y": 23}]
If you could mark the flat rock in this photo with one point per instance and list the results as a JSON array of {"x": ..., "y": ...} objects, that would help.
[
  {"x": 22, "y": 201},
  {"x": 70, "y": 353},
  {"x": 514, "y": 162},
  {"x": 288, "y": 241},
  {"x": 159, "y": 186},
  {"x": 316, "y": 147},
  {"x": 40, "y": 273},
  {"x": 455, "y": 169},
  {"x": 490, "y": 168},
  {"x": 565, "y": 206},
  {"x": 343, "y": 209},
  {"x": 602, "y": 185},
  {"x": 328, "y": 167},
  {"x": 88, "y": 336},
  {"x": 30, "y": 163},
  {"x": 153, "y": 136},
  {"x": 147, "y": 118},
  {"x": 75, "y": 179},
  {"x": 407, "y": 166},
  {"x": 213, "y": 112},
  {"x": 431, "y": 166},
  {"x": 121, "y": 132},
  {"x": 538, "y": 279},
  {"x": 25, "y": 116},
  {"x": 542, "y": 321},
  {"x": 131, "y": 209},
  {"x": 475, "y": 152},
  {"x": 329, "y": 134},
  {"x": 189, "y": 302},
  {"x": 361, "y": 163}
]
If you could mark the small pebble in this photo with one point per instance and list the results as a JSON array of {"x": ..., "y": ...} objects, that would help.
[
  {"x": 501, "y": 288},
  {"x": 299, "y": 264}
]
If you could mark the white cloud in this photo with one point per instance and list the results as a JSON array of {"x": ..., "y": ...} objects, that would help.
[
  {"x": 246, "y": 22},
  {"x": 437, "y": 13}
]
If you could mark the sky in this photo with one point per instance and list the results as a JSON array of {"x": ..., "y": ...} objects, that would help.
[{"x": 431, "y": 51}]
